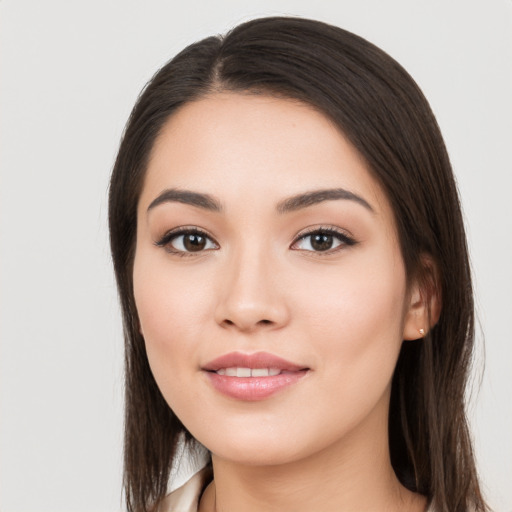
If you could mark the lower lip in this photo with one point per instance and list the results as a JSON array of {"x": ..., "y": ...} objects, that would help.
[{"x": 254, "y": 388}]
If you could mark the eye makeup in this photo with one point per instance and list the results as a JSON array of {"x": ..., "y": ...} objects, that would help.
[
  {"x": 323, "y": 240},
  {"x": 191, "y": 240},
  {"x": 186, "y": 241}
]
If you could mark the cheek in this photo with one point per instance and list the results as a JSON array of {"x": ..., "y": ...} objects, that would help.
[
  {"x": 357, "y": 318},
  {"x": 170, "y": 310},
  {"x": 355, "y": 328},
  {"x": 171, "y": 301}
]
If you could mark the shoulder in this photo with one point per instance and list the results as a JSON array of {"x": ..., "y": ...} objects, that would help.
[{"x": 186, "y": 497}]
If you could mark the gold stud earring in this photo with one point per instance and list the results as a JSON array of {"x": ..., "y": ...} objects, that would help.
[{"x": 422, "y": 332}]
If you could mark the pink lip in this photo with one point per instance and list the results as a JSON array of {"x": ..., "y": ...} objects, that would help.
[
  {"x": 257, "y": 360},
  {"x": 253, "y": 388}
]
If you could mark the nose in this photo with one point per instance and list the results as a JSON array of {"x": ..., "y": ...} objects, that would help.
[{"x": 251, "y": 297}]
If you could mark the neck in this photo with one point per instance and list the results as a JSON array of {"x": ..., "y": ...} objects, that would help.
[{"x": 354, "y": 474}]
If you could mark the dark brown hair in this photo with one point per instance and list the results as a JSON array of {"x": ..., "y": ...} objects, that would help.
[{"x": 380, "y": 109}]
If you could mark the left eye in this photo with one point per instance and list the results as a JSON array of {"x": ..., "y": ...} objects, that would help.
[{"x": 322, "y": 241}]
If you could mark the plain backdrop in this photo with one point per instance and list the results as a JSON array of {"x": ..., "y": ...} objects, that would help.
[{"x": 70, "y": 73}]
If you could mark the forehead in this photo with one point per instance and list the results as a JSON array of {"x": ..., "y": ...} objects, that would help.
[{"x": 260, "y": 148}]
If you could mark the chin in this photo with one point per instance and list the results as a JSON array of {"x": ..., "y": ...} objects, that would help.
[
  {"x": 259, "y": 447},
  {"x": 258, "y": 455}
]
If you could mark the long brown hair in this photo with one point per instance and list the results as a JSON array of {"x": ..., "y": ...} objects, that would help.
[{"x": 378, "y": 106}]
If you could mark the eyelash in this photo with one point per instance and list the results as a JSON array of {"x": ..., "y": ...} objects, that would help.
[
  {"x": 343, "y": 238},
  {"x": 170, "y": 236}
]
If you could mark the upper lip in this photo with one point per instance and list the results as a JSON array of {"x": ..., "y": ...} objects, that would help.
[{"x": 256, "y": 360}]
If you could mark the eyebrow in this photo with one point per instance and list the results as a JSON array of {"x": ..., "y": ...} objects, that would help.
[
  {"x": 291, "y": 204},
  {"x": 173, "y": 195},
  {"x": 319, "y": 196}
]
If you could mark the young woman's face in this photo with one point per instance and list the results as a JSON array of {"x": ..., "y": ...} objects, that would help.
[{"x": 268, "y": 280}]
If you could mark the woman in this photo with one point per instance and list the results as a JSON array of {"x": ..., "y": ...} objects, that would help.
[{"x": 293, "y": 272}]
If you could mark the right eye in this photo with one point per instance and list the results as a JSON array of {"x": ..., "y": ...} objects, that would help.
[{"x": 187, "y": 241}]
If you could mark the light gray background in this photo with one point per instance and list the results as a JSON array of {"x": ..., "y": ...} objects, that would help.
[{"x": 70, "y": 73}]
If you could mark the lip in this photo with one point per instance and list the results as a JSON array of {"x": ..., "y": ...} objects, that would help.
[
  {"x": 256, "y": 360},
  {"x": 253, "y": 388}
]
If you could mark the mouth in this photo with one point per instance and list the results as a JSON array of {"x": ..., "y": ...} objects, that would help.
[
  {"x": 252, "y": 377},
  {"x": 248, "y": 372}
]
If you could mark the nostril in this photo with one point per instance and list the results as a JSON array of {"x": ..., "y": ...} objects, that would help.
[{"x": 228, "y": 322}]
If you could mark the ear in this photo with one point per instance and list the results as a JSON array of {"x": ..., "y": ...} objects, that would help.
[{"x": 424, "y": 306}]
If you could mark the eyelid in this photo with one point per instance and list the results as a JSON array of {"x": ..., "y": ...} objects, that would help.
[
  {"x": 345, "y": 238},
  {"x": 165, "y": 240}
]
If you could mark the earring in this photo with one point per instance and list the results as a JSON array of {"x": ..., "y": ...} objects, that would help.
[{"x": 422, "y": 332}]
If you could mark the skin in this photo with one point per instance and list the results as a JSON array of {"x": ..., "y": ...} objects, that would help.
[{"x": 321, "y": 443}]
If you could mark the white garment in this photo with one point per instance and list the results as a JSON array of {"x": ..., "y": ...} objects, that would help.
[{"x": 186, "y": 498}]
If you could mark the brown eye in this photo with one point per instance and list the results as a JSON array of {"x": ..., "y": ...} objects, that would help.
[
  {"x": 186, "y": 241},
  {"x": 194, "y": 242},
  {"x": 321, "y": 242}
]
